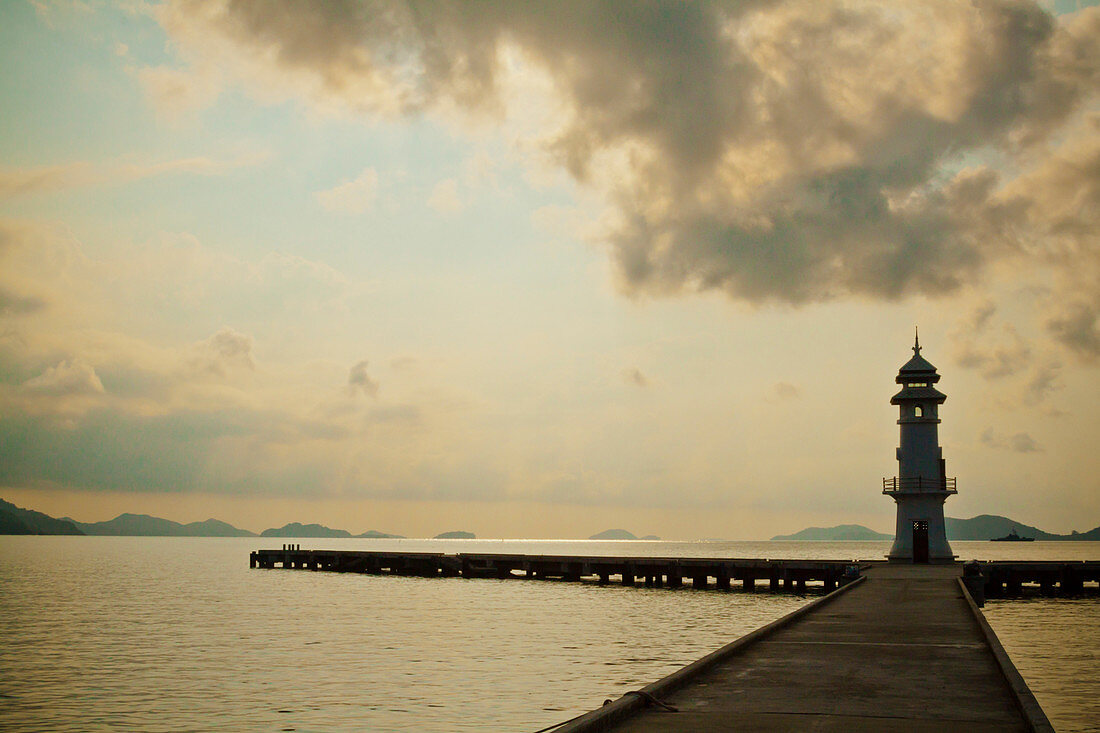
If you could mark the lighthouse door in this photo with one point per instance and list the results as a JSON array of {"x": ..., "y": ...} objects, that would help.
[{"x": 920, "y": 542}]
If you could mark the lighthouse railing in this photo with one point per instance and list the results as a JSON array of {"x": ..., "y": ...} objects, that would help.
[{"x": 917, "y": 484}]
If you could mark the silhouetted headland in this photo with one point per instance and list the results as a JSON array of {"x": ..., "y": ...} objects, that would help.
[
  {"x": 620, "y": 534},
  {"x": 976, "y": 529}
]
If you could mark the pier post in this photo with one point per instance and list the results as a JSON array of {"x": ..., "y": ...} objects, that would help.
[
  {"x": 773, "y": 581},
  {"x": 800, "y": 585},
  {"x": 749, "y": 582},
  {"x": 605, "y": 577},
  {"x": 699, "y": 581},
  {"x": 628, "y": 575},
  {"x": 1046, "y": 584},
  {"x": 830, "y": 582},
  {"x": 1069, "y": 581},
  {"x": 675, "y": 579},
  {"x": 722, "y": 580}
]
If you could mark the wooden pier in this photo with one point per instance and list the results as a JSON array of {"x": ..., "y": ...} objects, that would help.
[
  {"x": 668, "y": 572},
  {"x": 902, "y": 649},
  {"x": 1008, "y": 579}
]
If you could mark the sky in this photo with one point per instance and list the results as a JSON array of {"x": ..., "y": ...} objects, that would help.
[{"x": 542, "y": 269}]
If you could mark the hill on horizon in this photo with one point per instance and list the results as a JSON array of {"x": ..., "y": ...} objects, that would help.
[
  {"x": 144, "y": 525},
  {"x": 620, "y": 534},
  {"x": 991, "y": 526},
  {"x": 981, "y": 527},
  {"x": 297, "y": 529},
  {"x": 839, "y": 533},
  {"x": 16, "y": 520}
]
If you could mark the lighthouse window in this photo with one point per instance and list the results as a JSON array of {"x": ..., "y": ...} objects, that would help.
[
  {"x": 918, "y": 411},
  {"x": 917, "y": 384}
]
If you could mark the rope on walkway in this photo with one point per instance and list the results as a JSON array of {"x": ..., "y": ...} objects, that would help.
[{"x": 650, "y": 700}]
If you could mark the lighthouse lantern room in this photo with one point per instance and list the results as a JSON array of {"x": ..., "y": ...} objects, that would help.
[{"x": 921, "y": 486}]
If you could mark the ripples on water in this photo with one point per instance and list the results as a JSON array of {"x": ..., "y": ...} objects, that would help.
[
  {"x": 174, "y": 634},
  {"x": 1054, "y": 643}
]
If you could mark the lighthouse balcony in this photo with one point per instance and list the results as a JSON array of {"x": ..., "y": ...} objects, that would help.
[{"x": 894, "y": 486}]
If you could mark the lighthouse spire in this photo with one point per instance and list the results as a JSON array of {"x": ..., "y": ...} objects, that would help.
[{"x": 916, "y": 340}]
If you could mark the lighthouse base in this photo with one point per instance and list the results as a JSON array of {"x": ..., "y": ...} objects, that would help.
[{"x": 920, "y": 535}]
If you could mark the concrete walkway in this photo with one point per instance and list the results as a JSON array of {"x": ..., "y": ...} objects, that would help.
[{"x": 900, "y": 652}]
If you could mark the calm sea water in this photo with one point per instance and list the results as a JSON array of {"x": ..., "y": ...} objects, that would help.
[{"x": 178, "y": 634}]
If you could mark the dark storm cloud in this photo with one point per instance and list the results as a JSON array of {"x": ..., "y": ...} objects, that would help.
[{"x": 779, "y": 152}]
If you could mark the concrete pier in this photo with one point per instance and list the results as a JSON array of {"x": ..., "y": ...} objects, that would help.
[{"x": 903, "y": 649}]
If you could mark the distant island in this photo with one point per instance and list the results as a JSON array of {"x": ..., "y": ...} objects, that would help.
[
  {"x": 315, "y": 531},
  {"x": 979, "y": 528},
  {"x": 457, "y": 535},
  {"x": 143, "y": 525},
  {"x": 297, "y": 529},
  {"x": 839, "y": 533},
  {"x": 621, "y": 534},
  {"x": 15, "y": 520}
]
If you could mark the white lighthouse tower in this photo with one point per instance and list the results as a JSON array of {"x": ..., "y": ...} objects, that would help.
[{"x": 921, "y": 486}]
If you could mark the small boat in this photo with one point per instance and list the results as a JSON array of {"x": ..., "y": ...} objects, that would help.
[{"x": 1012, "y": 537}]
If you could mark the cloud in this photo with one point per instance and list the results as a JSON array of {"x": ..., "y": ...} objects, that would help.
[
  {"x": 786, "y": 170},
  {"x": 444, "y": 198},
  {"x": 782, "y": 392},
  {"x": 995, "y": 355},
  {"x": 1042, "y": 381},
  {"x": 177, "y": 93},
  {"x": 634, "y": 376},
  {"x": 16, "y": 304},
  {"x": 1078, "y": 327},
  {"x": 17, "y": 182},
  {"x": 225, "y": 353},
  {"x": 357, "y": 196},
  {"x": 784, "y": 152},
  {"x": 360, "y": 381},
  {"x": 1018, "y": 443},
  {"x": 67, "y": 378}
]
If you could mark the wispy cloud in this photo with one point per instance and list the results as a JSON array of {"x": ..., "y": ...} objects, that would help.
[
  {"x": 1017, "y": 443},
  {"x": 783, "y": 392},
  {"x": 360, "y": 382},
  {"x": 67, "y": 377},
  {"x": 356, "y": 196},
  {"x": 445, "y": 198},
  {"x": 634, "y": 376},
  {"x": 17, "y": 182}
]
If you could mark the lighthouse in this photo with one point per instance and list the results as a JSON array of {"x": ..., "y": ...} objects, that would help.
[{"x": 921, "y": 486}]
